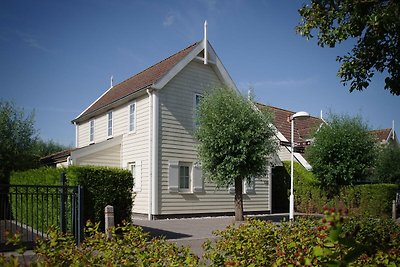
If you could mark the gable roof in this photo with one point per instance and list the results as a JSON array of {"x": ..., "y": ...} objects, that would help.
[
  {"x": 303, "y": 128},
  {"x": 137, "y": 82},
  {"x": 384, "y": 135}
]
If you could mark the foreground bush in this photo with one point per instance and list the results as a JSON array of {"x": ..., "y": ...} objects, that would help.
[
  {"x": 128, "y": 246},
  {"x": 307, "y": 242}
]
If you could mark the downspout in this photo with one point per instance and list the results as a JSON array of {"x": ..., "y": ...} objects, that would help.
[
  {"x": 150, "y": 151},
  {"x": 76, "y": 134},
  {"x": 155, "y": 154}
]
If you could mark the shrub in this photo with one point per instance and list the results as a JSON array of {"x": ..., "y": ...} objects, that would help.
[
  {"x": 128, "y": 246},
  {"x": 368, "y": 199},
  {"x": 387, "y": 169},
  {"x": 331, "y": 241},
  {"x": 102, "y": 186}
]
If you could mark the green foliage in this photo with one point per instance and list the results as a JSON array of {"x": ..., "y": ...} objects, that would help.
[
  {"x": 103, "y": 186},
  {"x": 343, "y": 152},
  {"x": 387, "y": 168},
  {"x": 18, "y": 137},
  {"x": 369, "y": 199},
  {"x": 128, "y": 246},
  {"x": 375, "y": 26},
  {"x": 41, "y": 176},
  {"x": 234, "y": 139},
  {"x": 331, "y": 241}
]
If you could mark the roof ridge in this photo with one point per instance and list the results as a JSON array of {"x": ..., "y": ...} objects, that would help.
[
  {"x": 155, "y": 64},
  {"x": 265, "y": 105}
]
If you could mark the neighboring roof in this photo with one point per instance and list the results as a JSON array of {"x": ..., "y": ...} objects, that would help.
[
  {"x": 303, "y": 128},
  {"x": 383, "y": 135},
  {"x": 57, "y": 157},
  {"x": 139, "y": 81}
]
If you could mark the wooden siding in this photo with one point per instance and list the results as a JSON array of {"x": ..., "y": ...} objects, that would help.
[
  {"x": 176, "y": 128},
  {"x": 136, "y": 147},
  {"x": 109, "y": 157}
]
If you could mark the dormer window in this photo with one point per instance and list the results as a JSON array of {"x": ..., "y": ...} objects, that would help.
[{"x": 110, "y": 124}]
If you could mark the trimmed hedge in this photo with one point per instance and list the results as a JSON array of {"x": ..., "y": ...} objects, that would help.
[
  {"x": 369, "y": 199},
  {"x": 102, "y": 186}
]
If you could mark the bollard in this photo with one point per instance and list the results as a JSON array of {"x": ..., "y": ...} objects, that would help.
[
  {"x": 394, "y": 215},
  {"x": 109, "y": 219}
]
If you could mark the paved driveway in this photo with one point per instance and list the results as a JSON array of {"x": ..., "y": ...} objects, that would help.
[{"x": 194, "y": 231}]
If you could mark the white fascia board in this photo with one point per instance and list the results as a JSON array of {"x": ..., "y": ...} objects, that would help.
[
  {"x": 220, "y": 69},
  {"x": 77, "y": 117},
  {"x": 91, "y": 149},
  {"x": 178, "y": 67}
]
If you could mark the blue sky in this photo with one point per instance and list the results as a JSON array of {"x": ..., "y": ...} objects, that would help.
[{"x": 57, "y": 57}]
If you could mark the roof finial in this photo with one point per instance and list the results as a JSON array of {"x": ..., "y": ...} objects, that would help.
[
  {"x": 111, "y": 81},
  {"x": 205, "y": 43},
  {"x": 392, "y": 129}
]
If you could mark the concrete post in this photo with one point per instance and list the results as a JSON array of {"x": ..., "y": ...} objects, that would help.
[
  {"x": 109, "y": 219},
  {"x": 394, "y": 215}
]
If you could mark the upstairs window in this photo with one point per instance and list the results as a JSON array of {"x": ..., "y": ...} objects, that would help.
[
  {"x": 91, "y": 131},
  {"x": 132, "y": 117},
  {"x": 110, "y": 124}
]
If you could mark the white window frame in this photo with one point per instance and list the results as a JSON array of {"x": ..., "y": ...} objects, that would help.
[
  {"x": 110, "y": 126},
  {"x": 195, "y": 110},
  {"x": 130, "y": 117},
  {"x": 246, "y": 187},
  {"x": 91, "y": 131},
  {"x": 190, "y": 177},
  {"x": 135, "y": 167}
]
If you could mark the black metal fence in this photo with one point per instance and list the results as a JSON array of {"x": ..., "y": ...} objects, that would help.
[{"x": 32, "y": 209}]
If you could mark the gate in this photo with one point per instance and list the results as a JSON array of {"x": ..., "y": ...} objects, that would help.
[{"x": 31, "y": 209}]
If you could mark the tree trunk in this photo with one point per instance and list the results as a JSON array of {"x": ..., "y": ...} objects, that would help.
[
  {"x": 5, "y": 207},
  {"x": 238, "y": 199}
]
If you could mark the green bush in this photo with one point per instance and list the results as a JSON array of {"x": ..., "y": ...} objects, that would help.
[
  {"x": 331, "y": 241},
  {"x": 102, "y": 186},
  {"x": 128, "y": 246},
  {"x": 368, "y": 199}
]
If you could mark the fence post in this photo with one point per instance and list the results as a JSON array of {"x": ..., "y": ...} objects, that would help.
[
  {"x": 63, "y": 214},
  {"x": 394, "y": 215},
  {"x": 109, "y": 219},
  {"x": 80, "y": 215}
]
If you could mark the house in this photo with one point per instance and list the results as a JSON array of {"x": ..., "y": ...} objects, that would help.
[
  {"x": 146, "y": 124},
  {"x": 385, "y": 136},
  {"x": 303, "y": 130}
]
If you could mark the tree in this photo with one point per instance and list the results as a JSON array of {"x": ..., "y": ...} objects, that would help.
[
  {"x": 375, "y": 24},
  {"x": 342, "y": 152},
  {"x": 18, "y": 138},
  {"x": 44, "y": 148},
  {"x": 235, "y": 140},
  {"x": 387, "y": 169}
]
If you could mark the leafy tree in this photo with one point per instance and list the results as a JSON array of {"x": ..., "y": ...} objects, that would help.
[
  {"x": 375, "y": 25},
  {"x": 18, "y": 138},
  {"x": 235, "y": 140},
  {"x": 343, "y": 151},
  {"x": 44, "y": 148},
  {"x": 387, "y": 169}
]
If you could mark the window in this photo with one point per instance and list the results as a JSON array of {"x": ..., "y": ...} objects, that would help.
[
  {"x": 132, "y": 117},
  {"x": 197, "y": 99},
  {"x": 184, "y": 177},
  {"x": 248, "y": 186},
  {"x": 135, "y": 168},
  {"x": 91, "y": 131},
  {"x": 132, "y": 169},
  {"x": 110, "y": 124}
]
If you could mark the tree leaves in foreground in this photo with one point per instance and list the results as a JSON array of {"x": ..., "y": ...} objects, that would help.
[
  {"x": 235, "y": 140},
  {"x": 343, "y": 151},
  {"x": 374, "y": 24}
]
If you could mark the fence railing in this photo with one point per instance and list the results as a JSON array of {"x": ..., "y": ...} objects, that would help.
[{"x": 32, "y": 209}]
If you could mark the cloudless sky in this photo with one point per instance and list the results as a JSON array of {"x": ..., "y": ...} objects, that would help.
[{"x": 57, "y": 57}]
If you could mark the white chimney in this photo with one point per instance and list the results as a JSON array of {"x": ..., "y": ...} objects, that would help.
[{"x": 205, "y": 42}]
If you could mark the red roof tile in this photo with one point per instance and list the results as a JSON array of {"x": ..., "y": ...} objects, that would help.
[
  {"x": 303, "y": 128},
  {"x": 139, "y": 81},
  {"x": 382, "y": 134}
]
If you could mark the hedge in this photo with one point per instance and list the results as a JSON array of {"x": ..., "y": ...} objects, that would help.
[
  {"x": 102, "y": 186},
  {"x": 369, "y": 199}
]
